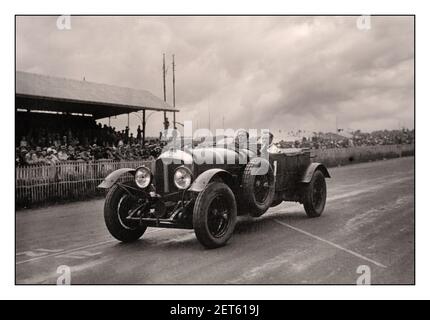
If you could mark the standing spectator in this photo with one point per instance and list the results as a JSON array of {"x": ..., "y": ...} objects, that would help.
[
  {"x": 127, "y": 130},
  {"x": 139, "y": 134},
  {"x": 23, "y": 143}
]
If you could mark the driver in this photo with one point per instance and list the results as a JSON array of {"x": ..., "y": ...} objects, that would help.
[
  {"x": 241, "y": 139},
  {"x": 242, "y": 147}
]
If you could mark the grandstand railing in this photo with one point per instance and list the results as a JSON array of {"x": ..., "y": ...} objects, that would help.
[
  {"x": 69, "y": 180},
  {"x": 74, "y": 180}
]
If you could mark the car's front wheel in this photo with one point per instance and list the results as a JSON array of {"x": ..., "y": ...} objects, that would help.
[
  {"x": 214, "y": 215},
  {"x": 118, "y": 205}
]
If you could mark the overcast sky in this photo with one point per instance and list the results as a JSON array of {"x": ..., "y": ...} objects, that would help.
[{"x": 281, "y": 73}]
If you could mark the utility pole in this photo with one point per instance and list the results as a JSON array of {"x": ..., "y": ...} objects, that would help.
[
  {"x": 209, "y": 117},
  {"x": 174, "y": 92},
  {"x": 143, "y": 127},
  {"x": 166, "y": 125}
]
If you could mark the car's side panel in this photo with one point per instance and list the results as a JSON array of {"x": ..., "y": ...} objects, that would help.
[
  {"x": 288, "y": 170},
  {"x": 283, "y": 175},
  {"x": 303, "y": 161}
]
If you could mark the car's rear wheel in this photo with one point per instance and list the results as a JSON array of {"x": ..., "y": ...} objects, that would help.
[
  {"x": 258, "y": 185},
  {"x": 315, "y": 194},
  {"x": 214, "y": 215},
  {"x": 118, "y": 206}
]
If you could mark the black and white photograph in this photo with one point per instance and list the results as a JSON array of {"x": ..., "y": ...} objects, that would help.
[{"x": 214, "y": 149}]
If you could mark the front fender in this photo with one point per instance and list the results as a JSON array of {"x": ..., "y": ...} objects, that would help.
[
  {"x": 110, "y": 180},
  {"x": 204, "y": 178},
  {"x": 314, "y": 166}
]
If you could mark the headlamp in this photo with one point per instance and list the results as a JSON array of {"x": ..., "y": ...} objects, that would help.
[
  {"x": 143, "y": 177},
  {"x": 182, "y": 177}
]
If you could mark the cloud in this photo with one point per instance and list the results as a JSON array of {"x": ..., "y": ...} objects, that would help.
[{"x": 282, "y": 73}]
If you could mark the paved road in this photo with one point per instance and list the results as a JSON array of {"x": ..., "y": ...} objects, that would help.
[{"x": 368, "y": 225}]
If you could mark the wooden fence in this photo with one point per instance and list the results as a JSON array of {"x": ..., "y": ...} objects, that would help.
[
  {"x": 74, "y": 180},
  {"x": 71, "y": 180}
]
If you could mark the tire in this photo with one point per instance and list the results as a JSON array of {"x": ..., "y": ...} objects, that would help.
[
  {"x": 214, "y": 215},
  {"x": 315, "y": 194},
  {"x": 276, "y": 202},
  {"x": 117, "y": 204},
  {"x": 257, "y": 199}
]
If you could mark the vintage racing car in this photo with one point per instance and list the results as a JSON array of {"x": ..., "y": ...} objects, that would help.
[{"x": 182, "y": 190}]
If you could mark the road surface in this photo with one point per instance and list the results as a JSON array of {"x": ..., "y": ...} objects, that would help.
[{"x": 366, "y": 234}]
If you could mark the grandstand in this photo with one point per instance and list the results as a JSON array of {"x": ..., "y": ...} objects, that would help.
[{"x": 60, "y": 97}]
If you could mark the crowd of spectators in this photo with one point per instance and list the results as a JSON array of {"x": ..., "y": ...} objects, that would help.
[
  {"x": 51, "y": 155},
  {"x": 322, "y": 140},
  {"x": 83, "y": 139},
  {"x": 50, "y": 142}
]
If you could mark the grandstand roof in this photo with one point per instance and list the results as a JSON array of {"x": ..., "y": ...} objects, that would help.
[{"x": 46, "y": 93}]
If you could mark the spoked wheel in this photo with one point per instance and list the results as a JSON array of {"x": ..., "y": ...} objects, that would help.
[
  {"x": 218, "y": 217},
  {"x": 258, "y": 185},
  {"x": 315, "y": 195},
  {"x": 261, "y": 188},
  {"x": 214, "y": 215},
  {"x": 118, "y": 207}
]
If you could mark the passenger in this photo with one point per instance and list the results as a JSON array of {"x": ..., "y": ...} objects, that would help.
[{"x": 266, "y": 144}]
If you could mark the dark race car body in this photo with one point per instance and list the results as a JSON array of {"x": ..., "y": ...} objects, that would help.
[{"x": 205, "y": 189}]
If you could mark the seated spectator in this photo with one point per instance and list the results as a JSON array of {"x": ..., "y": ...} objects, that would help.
[
  {"x": 51, "y": 158},
  {"x": 62, "y": 154}
]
